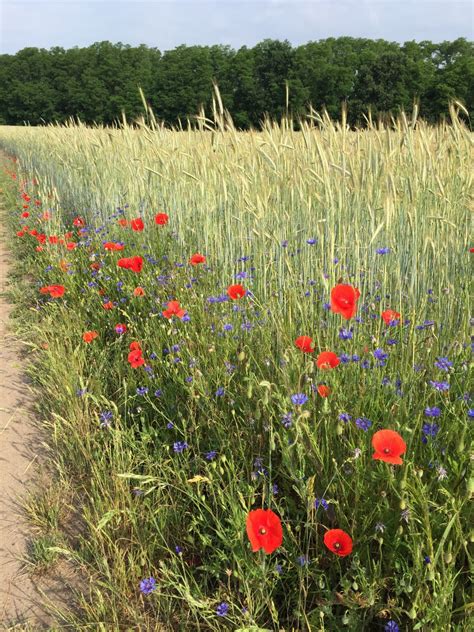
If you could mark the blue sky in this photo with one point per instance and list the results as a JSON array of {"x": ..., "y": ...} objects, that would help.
[{"x": 166, "y": 24}]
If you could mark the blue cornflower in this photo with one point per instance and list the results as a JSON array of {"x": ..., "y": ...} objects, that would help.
[
  {"x": 443, "y": 363},
  {"x": 320, "y": 502},
  {"x": 385, "y": 381},
  {"x": 345, "y": 334},
  {"x": 434, "y": 411},
  {"x": 427, "y": 559},
  {"x": 381, "y": 356},
  {"x": 344, "y": 358},
  {"x": 284, "y": 243},
  {"x": 178, "y": 550},
  {"x": 222, "y": 609},
  {"x": 148, "y": 585},
  {"x": 286, "y": 419},
  {"x": 220, "y": 391},
  {"x": 439, "y": 386},
  {"x": 345, "y": 417},
  {"x": 363, "y": 423},
  {"x": 241, "y": 275},
  {"x": 211, "y": 455},
  {"x": 158, "y": 392},
  {"x": 430, "y": 430},
  {"x": 142, "y": 390},
  {"x": 383, "y": 251},
  {"x": 391, "y": 626},
  {"x": 355, "y": 358},
  {"x": 365, "y": 364},
  {"x": 188, "y": 379},
  {"x": 105, "y": 418},
  {"x": 228, "y": 327},
  {"x": 303, "y": 560},
  {"x": 327, "y": 306},
  {"x": 425, "y": 325},
  {"x": 470, "y": 413},
  {"x": 81, "y": 392},
  {"x": 311, "y": 241},
  {"x": 299, "y": 399},
  {"x": 180, "y": 446},
  {"x": 170, "y": 425}
]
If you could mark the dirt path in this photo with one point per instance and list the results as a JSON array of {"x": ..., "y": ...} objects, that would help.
[{"x": 19, "y": 596}]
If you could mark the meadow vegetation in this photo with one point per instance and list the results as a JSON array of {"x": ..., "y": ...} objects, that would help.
[{"x": 157, "y": 467}]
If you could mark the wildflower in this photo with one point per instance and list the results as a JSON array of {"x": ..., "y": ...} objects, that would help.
[
  {"x": 142, "y": 390},
  {"x": 196, "y": 259},
  {"x": 139, "y": 291},
  {"x": 383, "y": 251},
  {"x": 173, "y": 309},
  {"x": 390, "y": 317},
  {"x": 338, "y": 541},
  {"x": 470, "y": 413},
  {"x": 427, "y": 559},
  {"x": 344, "y": 300},
  {"x": 303, "y": 560},
  {"x": 137, "y": 224},
  {"x": 434, "y": 411},
  {"x": 345, "y": 417},
  {"x": 211, "y": 455},
  {"x": 311, "y": 241},
  {"x": 264, "y": 530},
  {"x": 363, "y": 423},
  {"x": 120, "y": 328},
  {"x": 180, "y": 446},
  {"x": 430, "y": 430},
  {"x": 220, "y": 391},
  {"x": 405, "y": 515},
  {"x": 391, "y": 626},
  {"x": 135, "y": 264},
  {"x": 327, "y": 360},
  {"x": 89, "y": 336},
  {"x": 236, "y": 291},
  {"x": 148, "y": 585},
  {"x": 323, "y": 390},
  {"x": 222, "y": 609},
  {"x": 161, "y": 219},
  {"x": 388, "y": 446},
  {"x": 440, "y": 386},
  {"x": 55, "y": 291},
  {"x": 105, "y": 418},
  {"x": 78, "y": 221},
  {"x": 320, "y": 502},
  {"x": 136, "y": 359},
  {"x": 287, "y": 420},
  {"x": 442, "y": 473},
  {"x": 299, "y": 399},
  {"x": 305, "y": 343},
  {"x": 345, "y": 334},
  {"x": 380, "y": 527},
  {"x": 444, "y": 364},
  {"x": 110, "y": 245}
]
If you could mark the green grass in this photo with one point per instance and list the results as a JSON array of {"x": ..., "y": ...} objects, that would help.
[{"x": 231, "y": 195}]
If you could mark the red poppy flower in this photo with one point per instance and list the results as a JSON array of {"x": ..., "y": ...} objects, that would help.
[
  {"x": 197, "y": 258},
  {"x": 388, "y": 446},
  {"x": 120, "y": 328},
  {"x": 108, "y": 305},
  {"x": 135, "y": 358},
  {"x": 53, "y": 239},
  {"x": 123, "y": 222},
  {"x": 137, "y": 224},
  {"x": 134, "y": 346},
  {"x": 338, "y": 541},
  {"x": 89, "y": 336},
  {"x": 131, "y": 263},
  {"x": 324, "y": 390},
  {"x": 138, "y": 291},
  {"x": 25, "y": 214},
  {"x": 68, "y": 235},
  {"x": 161, "y": 219},
  {"x": 327, "y": 360},
  {"x": 344, "y": 300},
  {"x": 78, "y": 221},
  {"x": 389, "y": 316},
  {"x": 71, "y": 245},
  {"x": 55, "y": 291},
  {"x": 471, "y": 249},
  {"x": 111, "y": 245},
  {"x": 236, "y": 291},
  {"x": 173, "y": 309},
  {"x": 264, "y": 530},
  {"x": 305, "y": 343},
  {"x": 20, "y": 233}
]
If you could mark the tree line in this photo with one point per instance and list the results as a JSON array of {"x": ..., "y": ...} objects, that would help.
[{"x": 99, "y": 82}]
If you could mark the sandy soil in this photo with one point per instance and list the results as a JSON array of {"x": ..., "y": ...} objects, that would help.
[{"x": 19, "y": 454}]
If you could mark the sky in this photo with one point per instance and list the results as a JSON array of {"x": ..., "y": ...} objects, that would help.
[{"x": 165, "y": 24}]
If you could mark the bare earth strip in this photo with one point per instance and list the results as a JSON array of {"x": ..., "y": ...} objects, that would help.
[{"x": 19, "y": 595}]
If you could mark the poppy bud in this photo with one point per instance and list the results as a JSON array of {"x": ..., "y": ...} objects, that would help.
[{"x": 412, "y": 613}]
